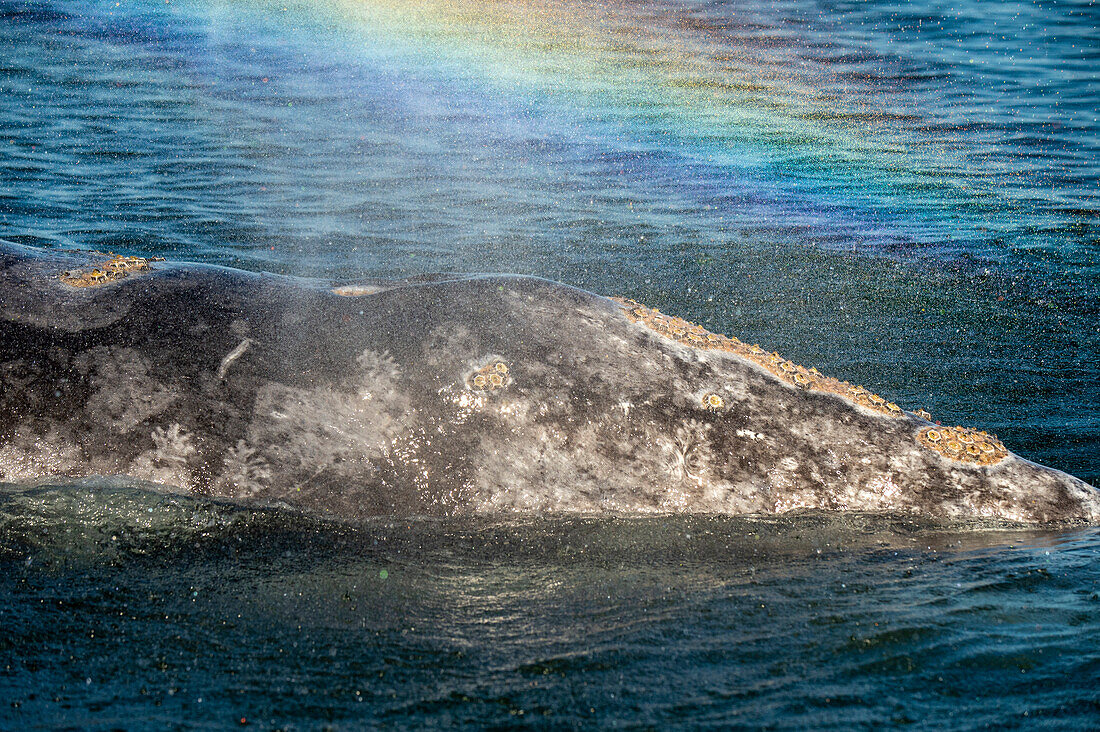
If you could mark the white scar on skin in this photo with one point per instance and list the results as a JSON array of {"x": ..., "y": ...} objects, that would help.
[
  {"x": 233, "y": 356},
  {"x": 358, "y": 290}
]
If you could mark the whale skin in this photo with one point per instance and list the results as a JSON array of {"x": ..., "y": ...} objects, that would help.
[{"x": 455, "y": 394}]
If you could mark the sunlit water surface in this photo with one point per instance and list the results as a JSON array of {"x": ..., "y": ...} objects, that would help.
[{"x": 903, "y": 195}]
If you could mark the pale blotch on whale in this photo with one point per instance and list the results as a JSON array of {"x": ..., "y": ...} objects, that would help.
[{"x": 456, "y": 395}]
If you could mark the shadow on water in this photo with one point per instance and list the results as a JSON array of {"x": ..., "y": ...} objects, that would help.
[{"x": 123, "y": 606}]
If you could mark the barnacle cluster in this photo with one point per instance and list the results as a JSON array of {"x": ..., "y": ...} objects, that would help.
[
  {"x": 113, "y": 269},
  {"x": 958, "y": 443},
  {"x": 713, "y": 402},
  {"x": 490, "y": 377},
  {"x": 691, "y": 334},
  {"x": 963, "y": 443}
]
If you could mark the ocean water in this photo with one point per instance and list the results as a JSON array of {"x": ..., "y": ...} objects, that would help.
[{"x": 904, "y": 195}]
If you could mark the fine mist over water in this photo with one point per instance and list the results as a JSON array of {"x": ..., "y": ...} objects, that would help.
[{"x": 904, "y": 196}]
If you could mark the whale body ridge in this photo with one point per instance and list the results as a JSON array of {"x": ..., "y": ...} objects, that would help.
[{"x": 455, "y": 394}]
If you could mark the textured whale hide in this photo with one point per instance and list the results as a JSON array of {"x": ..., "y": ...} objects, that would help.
[{"x": 460, "y": 394}]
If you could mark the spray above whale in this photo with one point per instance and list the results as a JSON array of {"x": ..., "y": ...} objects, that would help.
[{"x": 453, "y": 395}]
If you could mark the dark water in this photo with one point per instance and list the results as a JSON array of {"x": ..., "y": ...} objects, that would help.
[
  {"x": 903, "y": 195},
  {"x": 129, "y": 609}
]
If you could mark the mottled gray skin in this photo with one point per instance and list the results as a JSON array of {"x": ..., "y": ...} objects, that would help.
[{"x": 278, "y": 391}]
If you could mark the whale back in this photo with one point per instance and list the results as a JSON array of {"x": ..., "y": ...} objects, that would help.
[{"x": 455, "y": 394}]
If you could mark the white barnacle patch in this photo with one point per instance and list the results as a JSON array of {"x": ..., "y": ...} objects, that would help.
[
  {"x": 246, "y": 471},
  {"x": 749, "y": 435},
  {"x": 379, "y": 367},
  {"x": 467, "y": 401},
  {"x": 379, "y": 374},
  {"x": 173, "y": 445},
  {"x": 166, "y": 463},
  {"x": 324, "y": 433}
]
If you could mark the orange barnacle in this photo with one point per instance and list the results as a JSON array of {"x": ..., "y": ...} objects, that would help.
[
  {"x": 713, "y": 401},
  {"x": 496, "y": 379},
  {"x": 893, "y": 407},
  {"x": 932, "y": 435},
  {"x": 801, "y": 379},
  {"x": 501, "y": 367},
  {"x": 479, "y": 381}
]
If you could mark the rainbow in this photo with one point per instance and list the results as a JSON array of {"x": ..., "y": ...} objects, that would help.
[
  {"x": 643, "y": 63},
  {"x": 774, "y": 114}
]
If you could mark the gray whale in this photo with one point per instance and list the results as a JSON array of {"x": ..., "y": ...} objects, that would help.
[{"x": 455, "y": 394}]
